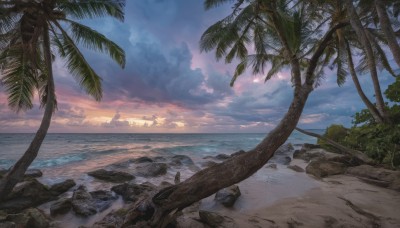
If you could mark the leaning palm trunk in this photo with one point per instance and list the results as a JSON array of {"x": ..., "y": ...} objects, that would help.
[
  {"x": 388, "y": 30},
  {"x": 231, "y": 171},
  {"x": 371, "y": 107},
  {"x": 358, "y": 28},
  {"x": 16, "y": 173}
]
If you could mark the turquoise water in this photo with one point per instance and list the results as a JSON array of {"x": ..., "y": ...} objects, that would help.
[{"x": 71, "y": 155}]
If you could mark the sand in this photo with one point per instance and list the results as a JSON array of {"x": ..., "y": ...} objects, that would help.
[{"x": 302, "y": 201}]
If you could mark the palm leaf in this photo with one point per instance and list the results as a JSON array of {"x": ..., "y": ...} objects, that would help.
[
  {"x": 82, "y": 9},
  {"x": 77, "y": 64},
  {"x": 94, "y": 40},
  {"x": 18, "y": 78}
]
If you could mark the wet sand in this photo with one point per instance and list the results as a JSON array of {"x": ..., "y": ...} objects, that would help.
[{"x": 336, "y": 201}]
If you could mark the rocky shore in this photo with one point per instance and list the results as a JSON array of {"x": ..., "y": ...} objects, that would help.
[{"x": 309, "y": 187}]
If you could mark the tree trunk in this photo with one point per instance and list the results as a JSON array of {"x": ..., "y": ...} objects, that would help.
[
  {"x": 359, "y": 29},
  {"x": 388, "y": 30},
  {"x": 208, "y": 181},
  {"x": 371, "y": 107},
  {"x": 355, "y": 153},
  {"x": 16, "y": 173}
]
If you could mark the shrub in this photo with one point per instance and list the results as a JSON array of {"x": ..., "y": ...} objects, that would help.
[{"x": 336, "y": 133}]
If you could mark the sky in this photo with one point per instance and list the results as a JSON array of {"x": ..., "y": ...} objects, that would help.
[{"x": 169, "y": 86}]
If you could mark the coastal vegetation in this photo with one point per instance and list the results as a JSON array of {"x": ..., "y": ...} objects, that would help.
[{"x": 29, "y": 32}]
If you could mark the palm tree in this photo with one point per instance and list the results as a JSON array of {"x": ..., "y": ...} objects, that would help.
[
  {"x": 28, "y": 32},
  {"x": 342, "y": 47},
  {"x": 285, "y": 35},
  {"x": 365, "y": 41},
  {"x": 387, "y": 29}
]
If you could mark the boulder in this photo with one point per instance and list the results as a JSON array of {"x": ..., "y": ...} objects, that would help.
[
  {"x": 228, "y": 196},
  {"x": 142, "y": 160},
  {"x": 102, "y": 199},
  {"x": 60, "y": 207},
  {"x": 86, "y": 203},
  {"x": 82, "y": 202},
  {"x": 238, "y": 153},
  {"x": 323, "y": 168},
  {"x": 296, "y": 168},
  {"x": 33, "y": 173},
  {"x": 283, "y": 154},
  {"x": 181, "y": 160},
  {"x": 62, "y": 187},
  {"x": 152, "y": 170},
  {"x": 111, "y": 176},
  {"x": 131, "y": 192},
  {"x": 377, "y": 176},
  {"x": 177, "y": 178},
  {"x": 208, "y": 163},
  {"x": 214, "y": 219},
  {"x": 27, "y": 194},
  {"x": 316, "y": 154},
  {"x": 222, "y": 156},
  {"x": 347, "y": 160},
  {"x": 32, "y": 218},
  {"x": 112, "y": 219},
  {"x": 308, "y": 146}
]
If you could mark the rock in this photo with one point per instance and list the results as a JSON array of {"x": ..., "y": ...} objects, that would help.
[
  {"x": 33, "y": 173},
  {"x": 159, "y": 159},
  {"x": 181, "y": 159},
  {"x": 213, "y": 219},
  {"x": 315, "y": 154},
  {"x": 62, "y": 187},
  {"x": 27, "y": 194},
  {"x": 2, "y": 172},
  {"x": 209, "y": 163},
  {"x": 283, "y": 154},
  {"x": 228, "y": 196},
  {"x": 308, "y": 146},
  {"x": 82, "y": 202},
  {"x": 112, "y": 219},
  {"x": 377, "y": 176},
  {"x": 7, "y": 224},
  {"x": 111, "y": 176},
  {"x": 61, "y": 206},
  {"x": 152, "y": 170},
  {"x": 347, "y": 160},
  {"x": 296, "y": 168},
  {"x": 143, "y": 160},
  {"x": 86, "y": 203},
  {"x": 32, "y": 218},
  {"x": 271, "y": 166},
  {"x": 102, "y": 199},
  {"x": 177, "y": 178},
  {"x": 131, "y": 192},
  {"x": 238, "y": 153},
  {"x": 323, "y": 168},
  {"x": 222, "y": 156}
]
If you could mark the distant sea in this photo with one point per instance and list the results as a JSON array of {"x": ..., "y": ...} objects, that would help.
[{"x": 70, "y": 155}]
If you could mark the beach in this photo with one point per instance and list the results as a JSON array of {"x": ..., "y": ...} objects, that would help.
[{"x": 281, "y": 194}]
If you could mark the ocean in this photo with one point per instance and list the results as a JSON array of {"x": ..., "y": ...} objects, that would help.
[
  {"x": 71, "y": 156},
  {"x": 64, "y": 156}
]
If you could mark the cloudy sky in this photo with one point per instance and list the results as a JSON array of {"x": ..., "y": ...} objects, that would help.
[{"x": 169, "y": 86}]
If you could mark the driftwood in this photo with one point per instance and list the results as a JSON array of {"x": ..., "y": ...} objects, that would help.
[{"x": 355, "y": 153}]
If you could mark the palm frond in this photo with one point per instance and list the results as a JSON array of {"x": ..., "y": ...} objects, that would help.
[
  {"x": 77, "y": 64},
  {"x": 18, "y": 77},
  {"x": 94, "y": 40},
  {"x": 82, "y": 9}
]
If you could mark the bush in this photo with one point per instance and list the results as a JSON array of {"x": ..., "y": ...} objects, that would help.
[{"x": 336, "y": 133}]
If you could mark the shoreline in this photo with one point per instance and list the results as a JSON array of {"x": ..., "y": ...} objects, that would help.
[{"x": 275, "y": 196}]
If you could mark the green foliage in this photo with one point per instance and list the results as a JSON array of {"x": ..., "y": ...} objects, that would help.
[
  {"x": 336, "y": 133},
  {"x": 379, "y": 141}
]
